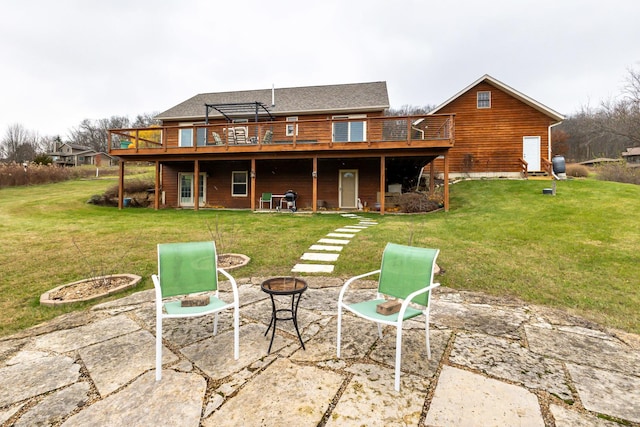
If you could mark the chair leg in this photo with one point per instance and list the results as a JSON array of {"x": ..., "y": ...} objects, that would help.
[
  {"x": 398, "y": 357},
  {"x": 379, "y": 330},
  {"x": 215, "y": 324},
  {"x": 427, "y": 337},
  {"x": 339, "y": 329},
  {"x": 236, "y": 332},
  {"x": 158, "y": 348}
]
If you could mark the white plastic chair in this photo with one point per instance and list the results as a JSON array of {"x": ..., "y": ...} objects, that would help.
[
  {"x": 189, "y": 268},
  {"x": 406, "y": 273}
]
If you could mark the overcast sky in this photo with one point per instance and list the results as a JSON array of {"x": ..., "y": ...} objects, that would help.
[{"x": 68, "y": 60}]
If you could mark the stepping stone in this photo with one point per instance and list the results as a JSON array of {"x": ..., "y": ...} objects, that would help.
[
  {"x": 355, "y": 227},
  {"x": 312, "y": 268},
  {"x": 334, "y": 241},
  {"x": 340, "y": 235},
  {"x": 348, "y": 230},
  {"x": 311, "y": 256},
  {"x": 325, "y": 248}
]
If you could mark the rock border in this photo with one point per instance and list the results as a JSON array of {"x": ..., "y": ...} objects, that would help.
[
  {"x": 46, "y": 300},
  {"x": 245, "y": 261}
]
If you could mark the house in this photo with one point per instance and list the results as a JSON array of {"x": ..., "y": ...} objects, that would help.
[
  {"x": 332, "y": 145},
  {"x": 500, "y": 132},
  {"x": 632, "y": 156},
  {"x": 67, "y": 154}
]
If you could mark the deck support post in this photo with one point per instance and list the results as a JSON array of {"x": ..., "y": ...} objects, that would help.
[
  {"x": 121, "y": 185},
  {"x": 196, "y": 185},
  {"x": 383, "y": 172}
]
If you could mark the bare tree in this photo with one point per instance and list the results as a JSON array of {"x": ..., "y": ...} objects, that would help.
[
  {"x": 94, "y": 134},
  {"x": 19, "y": 144}
]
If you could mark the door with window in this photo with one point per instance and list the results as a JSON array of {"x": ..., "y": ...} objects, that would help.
[
  {"x": 348, "y": 188},
  {"x": 186, "y": 190},
  {"x": 531, "y": 152}
]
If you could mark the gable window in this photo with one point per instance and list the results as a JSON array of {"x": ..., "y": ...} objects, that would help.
[
  {"x": 349, "y": 131},
  {"x": 239, "y": 183},
  {"x": 292, "y": 128},
  {"x": 484, "y": 99}
]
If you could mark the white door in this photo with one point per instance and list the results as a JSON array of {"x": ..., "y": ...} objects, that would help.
[
  {"x": 185, "y": 189},
  {"x": 348, "y": 187},
  {"x": 531, "y": 152}
]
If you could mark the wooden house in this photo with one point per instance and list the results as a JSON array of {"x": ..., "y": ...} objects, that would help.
[
  {"x": 500, "y": 132},
  {"x": 332, "y": 145},
  {"x": 67, "y": 154},
  {"x": 632, "y": 155}
]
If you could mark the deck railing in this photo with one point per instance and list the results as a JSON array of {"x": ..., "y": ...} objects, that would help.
[{"x": 261, "y": 135}]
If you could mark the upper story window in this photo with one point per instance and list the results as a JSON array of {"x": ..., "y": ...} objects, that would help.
[
  {"x": 185, "y": 135},
  {"x": 292, "y": 128},
  {"x": 350, "y": 131},
  {"x": 484, "y": 99}
]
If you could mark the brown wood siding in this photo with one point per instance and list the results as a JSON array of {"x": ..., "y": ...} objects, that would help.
[{"x": 490, "y": 140}]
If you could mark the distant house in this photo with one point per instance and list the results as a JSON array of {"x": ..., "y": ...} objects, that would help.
[
  {"x": 632, "y": 155},
  {"x": 500, "y": 132},
  {"x": 332, "y": 145},
  {"x": 67, "y": 154}
]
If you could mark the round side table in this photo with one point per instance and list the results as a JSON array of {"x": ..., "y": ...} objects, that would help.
[{"x": 284, "y": 286}]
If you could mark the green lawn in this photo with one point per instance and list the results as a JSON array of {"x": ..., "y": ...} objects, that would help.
[{"x": 577, "y": 250}]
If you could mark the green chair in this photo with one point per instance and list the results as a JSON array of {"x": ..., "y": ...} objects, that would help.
[
  {"x": 406, "y": 273},
  {"x": 266, "y": 198},
  {"x": 190, "y": 268}
]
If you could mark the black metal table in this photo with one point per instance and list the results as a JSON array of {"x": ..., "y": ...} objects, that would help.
[{"x": 284, "y": 286}]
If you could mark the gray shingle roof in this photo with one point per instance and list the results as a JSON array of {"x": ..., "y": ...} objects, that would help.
[{"x": 290, "y": 101}]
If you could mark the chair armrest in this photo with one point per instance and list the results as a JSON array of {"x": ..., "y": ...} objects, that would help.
[
  {"x": 350, "y": 281},
  {"x": 234, "y": 285},
  {"x": 411, "y": 296}
]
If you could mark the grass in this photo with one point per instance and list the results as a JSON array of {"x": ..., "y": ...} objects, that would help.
[{"x": 576, "y": 250}]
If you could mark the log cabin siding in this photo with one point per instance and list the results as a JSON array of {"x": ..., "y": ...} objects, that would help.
[{"x": 491, "y": 139}]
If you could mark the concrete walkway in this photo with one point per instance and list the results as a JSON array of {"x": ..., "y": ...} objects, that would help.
[{"x": 495, "y": 362}]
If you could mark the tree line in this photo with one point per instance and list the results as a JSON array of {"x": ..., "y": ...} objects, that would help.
[{"x": 23, "y": 145}]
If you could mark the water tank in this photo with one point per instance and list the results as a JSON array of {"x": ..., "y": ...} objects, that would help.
[{"x": 559, "y": 165}]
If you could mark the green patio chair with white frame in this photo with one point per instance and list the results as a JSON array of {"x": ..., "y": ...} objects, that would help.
[
  {"x": 185, "y": 269},
  {"x": 406, "y": 273}
]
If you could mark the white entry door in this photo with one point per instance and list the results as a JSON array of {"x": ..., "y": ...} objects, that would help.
[
  {"x": 531, "y": 152},
  {"x": 185, "y": 189},
  {"x": 348, "y": 187}
]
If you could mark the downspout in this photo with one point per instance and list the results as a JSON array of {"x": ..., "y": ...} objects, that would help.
[{"x": 549, "y": 138}]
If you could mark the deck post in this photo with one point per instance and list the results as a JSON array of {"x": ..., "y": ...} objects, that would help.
[
  {"x": 314, "y": 191},
  {"x": 446, "y": 182},
  {"x": 156, "y": 198},
  {"x": 121, "y": 184},
  {"x": 196, "y": 185},
  {"x": 382, "y": 181},
  {"x": 252, "y": 174}
]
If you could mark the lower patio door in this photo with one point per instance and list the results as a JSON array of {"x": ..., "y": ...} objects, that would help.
[
  {"x": 185, "y": 189},
  {"x": 348, "y": 187},
  {"x": 531, "y": 152}
]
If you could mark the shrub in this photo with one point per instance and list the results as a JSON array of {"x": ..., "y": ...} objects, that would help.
[
  {"x": 417, "y": 202},
  {"x": 136, "y": 189},
  {"x": 576, "y": 170},
  {"x": 619, "y": 172},
  {"x": 13, "y": 174}
]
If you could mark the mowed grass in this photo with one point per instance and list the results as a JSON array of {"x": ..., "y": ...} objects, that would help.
[{"x": 577, "y": 250}]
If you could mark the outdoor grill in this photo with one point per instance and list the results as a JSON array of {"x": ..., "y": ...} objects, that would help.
[{"x": 291, "y": 196}]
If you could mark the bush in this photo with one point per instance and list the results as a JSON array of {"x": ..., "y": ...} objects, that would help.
[
  {"x": 577, "y": 171},
  {"x": 619, "y": 172},
  {"x": 417, "y": 202},
  {"x": 135, "y": 189},
  {"x": 13, "y": 174}
]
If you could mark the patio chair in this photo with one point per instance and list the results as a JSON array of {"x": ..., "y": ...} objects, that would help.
[
  {"x": 406, "y": 273},
  {"x": 266, "y": 198},
  {"x": 190, "y": 268},
  {"x": 216, "y": 139},
  {"x": 268, "y": 137},
  {"x": 241, "y": 135}
]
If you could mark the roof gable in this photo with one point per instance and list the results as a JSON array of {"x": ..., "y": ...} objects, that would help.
[
  {"x": 290, "y": 101},
  {"x": 509, "y": 90}
]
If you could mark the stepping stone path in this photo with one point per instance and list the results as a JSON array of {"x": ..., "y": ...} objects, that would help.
[{"x": 327, "y": 250}]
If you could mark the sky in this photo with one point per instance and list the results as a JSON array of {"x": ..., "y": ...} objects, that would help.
[{"x": 65, "y": 61}]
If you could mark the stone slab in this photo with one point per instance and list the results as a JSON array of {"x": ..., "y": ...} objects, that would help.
[
  {"x": 57, "y": 406},
  {"x": 463, "y": 398},
  {"x": 284, "y": 394},
  {"x": 568, "y": 418},
  {"x": 370, "y": 399},
  {"x": 347, "y": 230},
  {"x": 326, "y": 248},
  {"x": 344, "y": 235},
  {"x": 114, "y": 363},
  {"x": 34, "y": 377},
  {"x": 511, "y": 361},
  {"x": 334, "y": 241},
  {"x": 312, "y": 268},
  {"x": 606, "y": 392},
  {"x": 176, "y": 400},
  {"x": 72, "y": 339},
  {"x": 314, "y": 256}
]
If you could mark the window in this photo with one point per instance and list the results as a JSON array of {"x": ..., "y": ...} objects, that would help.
[
  {"x": 484, "y": 99},
  {"x": 352, "y": 131},
  {"x": 185, "y": 136},
  {"x": 292, "y": 129},
  {"x": 239, "y": 183}
]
